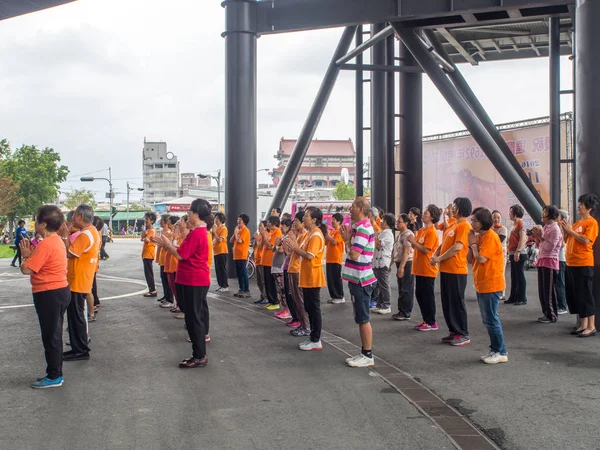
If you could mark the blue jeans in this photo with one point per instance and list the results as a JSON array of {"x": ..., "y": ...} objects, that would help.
[
  {"x": 242, "y": 274},
  {"x": 488, "y": 306},
  {"x": 361, "y": 297}
]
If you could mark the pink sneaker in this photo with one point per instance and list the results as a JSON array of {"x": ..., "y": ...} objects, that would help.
[
  {"x": 418, "y": 326},
  {"x": 293, "y": 324},
  {"x": 283, "y": 314},
  {"x": 425, "y": 327}
]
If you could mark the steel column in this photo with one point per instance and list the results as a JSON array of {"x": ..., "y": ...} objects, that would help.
[
  {"x": 359, "y": 111},
  {"x": 312, "y": 122},
  {"x": 410, "y": 154},
  {"x": 555, "y": 165},
  {"x": 379, "y": 119},
  {"x": 240, "y": 114},
  {"x": 471, "y": 122},
  {"x": 482, "y": 115},
  {"x": 390, "y": 206}
]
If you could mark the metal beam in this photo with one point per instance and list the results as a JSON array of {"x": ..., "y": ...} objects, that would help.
[
  {"x": 391, "y": 126},
  {"x": 359, "y": 112},
  {"x": 312, "y": 122},
  {"x": 381, "y": 68},
  {"x": 382, "y": 35},
  {"x": 457, "y": 45},
  {"x": 470, "y": 120},
  {"x": 554, "y": 69}
]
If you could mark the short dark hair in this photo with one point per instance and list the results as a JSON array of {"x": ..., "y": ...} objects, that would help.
[
  {"x": 287, "y": 222},
  {"x": 150, "y": 215},
  {"x": 201, "y": 207},
  {"x": 286, "y": 216},
  {"x": 274, "y": 220},
  {"x": 221, "y": 217},
  {"x": 165, "y": 217},
  {"x": 389, "y": 219},
  {"x": 338, "y": 217},
  {"x": 21, "y": 222},
  {"x": 245, "y": 218},
  {"x": 173, "y": 219},
  {"x": 484, "y": 217},
  {"x": 495, "y": 212},
  {"x": 517, "y": 211},
  {"x": 552, "y": 212},
  {"x": 590, "y": 201},
  {"x": 417, "y": 212},
  {"x": 51, "y": 215},
  {"x": 98, "y": 223},
  {"x": 434, "y": 211},
  {"x": 299, "y": 216},
  {"x": 464, "y": 206},
  {"x": 278, "y": 210}
]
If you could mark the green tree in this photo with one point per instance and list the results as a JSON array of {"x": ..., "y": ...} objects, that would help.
[
  {"x": 78, "y": 197},
  {"x": 345, "y": 191}
]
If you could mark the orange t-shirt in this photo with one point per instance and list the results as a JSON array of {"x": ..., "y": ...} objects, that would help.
[
  {"x": 170, "y": 261},
  {"x": 221, "y": 247},
  {"x": 311, "y": 270},
  {"x": 149, "y": 249},
  {"x": 442, "y": 226},
  {"x": 49, "y": 265},
  {"x": 335, "y": 252},
  {"x": 258, "y": 253},
  {"x": 376, "y": 227},
  {"x": 210, "y": 249},
  {"x": 582, "y": 255},
  {"x": 162, "y": 254},
  {"x": 240, "y": 250},
  {"x": 427, "y": 237},
  {"x": 81, "y": 269},
  {"x": 489, "y": 276},
  {"x": 458, "y": 232},
  {"x": 378, "y": 222},
  {"x": 268, "y": 254},
  {"x": 294, "y": 265}
]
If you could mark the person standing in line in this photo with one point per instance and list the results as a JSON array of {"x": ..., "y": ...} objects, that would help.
[
  {"x": 312, "y": 278},
  {"x": 517, "y": 255},
  {"x": 241, "y": 245},
  {"x": 169, "y": 266},
  {"x": 289, "y": 311},
  {"x": 167, "y": 230},
  {"x": 221, "y": 252},
  {"x": 414, "y": 214},
  {"x": 384, "y": 245},
  {"x": 302, "y": 327},
  {"x": 403, "y": 257},
  {"x": 105, "y": 234},
  {"x": 486, "y": 255},
  {"x": 452, "y": 259},
  {"x": 580, "y": 238},
  {"x": 270, "y": 236},
  {"x": 193, "y": 278},
  {"x": 548, "y": 240},
  {"x": 178, "y": 312},
  {"x": 447, "y": 219},
  {"x": 149, "y": 252},
  {"x": 276, "y": 212},
  {"x": 334, "y": 259},
  {"x": 82, "y": 256},
  {"x": 20, "y": 234},
  {"x": 98, "y": 223},
  {"x": 260, "y": 273},
  {"x": 277, "y": 275},
  {"x": 561, "y": 297},
  {"x": 502, "y": 233},
  {"x": 358, "y": 272},
  {"x": 47, "y": 267},
  {"x": 425, "y": 243}
]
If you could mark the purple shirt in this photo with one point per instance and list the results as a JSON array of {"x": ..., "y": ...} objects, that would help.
[{"x": 549, "y": 246}]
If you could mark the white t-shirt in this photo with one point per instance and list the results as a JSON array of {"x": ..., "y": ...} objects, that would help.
[{"x": 383, "y": 255}]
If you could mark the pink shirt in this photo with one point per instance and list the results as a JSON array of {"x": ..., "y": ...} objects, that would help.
[
  {"x": 193, "y": 269},
  {"x": 550, "y": 246}
]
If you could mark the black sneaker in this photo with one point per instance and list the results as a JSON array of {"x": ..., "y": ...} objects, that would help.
[
  {"x": 544, "y": 319},
  {"x": 509, "y": 302},
  {"x": 192, "y": 363},
  {"x": 448, "y": 339},
  {"x": 76, "y": 357},
  {"x": 520, "y": 303}
]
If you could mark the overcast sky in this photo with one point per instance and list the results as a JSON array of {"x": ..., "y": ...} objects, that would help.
[{"x": 93, "y": 78}]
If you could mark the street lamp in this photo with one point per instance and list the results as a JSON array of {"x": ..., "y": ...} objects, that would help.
[
  {"x": 111, "y": 193},
  {"x": 218, "y": 180},
  {"x": 129, "y": 189}
]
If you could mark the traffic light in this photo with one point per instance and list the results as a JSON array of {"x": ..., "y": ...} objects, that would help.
[{"x": 113, "y": 211}]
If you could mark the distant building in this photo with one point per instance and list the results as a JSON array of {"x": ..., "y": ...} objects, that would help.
[
  {"x": 322, "y": 165},
  {"x": 161, "y": 173},
  {"x": 191, "y": 180}
]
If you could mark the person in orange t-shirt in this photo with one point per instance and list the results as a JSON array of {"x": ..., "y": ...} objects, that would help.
[
  {"x": 580, "y": 238},
  {"x": 452, "y": 259},
  {"x": 167, "y": 229},
  {"x": 270, "y": 235},
  {"x": 487, "y": 256},
  {"x": 241, "y": 246},
  {"x": 47, "y": 267},
  {"x": 298, "y": 233},
  {"x": 168, "y": 262},
  {"x": 171, "y": 263},
  {"x": 448, "y": 218},
  {"x": 334, "y": 259},
  {"x": 260, "y": 274},
  {"x": 148, "y": 253},
  {"x": 373, "y": 216},
  {"x": 425, "y": 243},
  {"x": 312, "y": 278},
  {"x": 220, "y": 250}
]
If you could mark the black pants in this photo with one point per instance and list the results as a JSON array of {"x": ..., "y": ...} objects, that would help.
[
  {"x": 424, "y": 291},
  {"x": 192, "y": 301},
  {"x": 95, "y": 293},
  {"x": 270, "y": 286},
  {"x": 406, "y": 290},
  {"x": 518, "y": 283},
  {"x": 17, "y": 256},
  {"x": 103, "y": 253},
  {"x": 452, "y": 289},
  {"x": 578, "y": 286},
  {"x": 77, "y": 326},
  {"x": 559, "y": 285},
  {"x": 221, "y": 269},
  {"x": 312, "y": 305},
  {"x": 149, "y": 274},
  {"x": 334, "y": 280},
  {"x": 288, "y": 296},
  {"x": 50, "y": 307},
  {"x": 164, "y": 279},
  {"x": 547, "y": 292}
]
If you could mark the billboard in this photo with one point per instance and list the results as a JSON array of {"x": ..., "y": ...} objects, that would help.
[{"x": 455, "y": 166}]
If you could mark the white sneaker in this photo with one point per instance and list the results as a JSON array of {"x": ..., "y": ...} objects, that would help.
[
  {"x": 487, "y": 355},
  {"x": 496, "y": 358},
  {"x": 352, "y": 358},
  {"x": 361, "y": 361},
  {"x": 167, "y": 305},
  {"x": 310, "y": 345},
  {"x": 338, "y": 301},
  {"x": 384, "y": 311},
  {"x": 218, "y": 289},
  {"x": 374, "y": 309},
  {"x": 223, "y": 289}
]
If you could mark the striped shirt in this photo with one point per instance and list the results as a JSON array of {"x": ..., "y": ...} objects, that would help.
[{"x": 363, "y": 241}]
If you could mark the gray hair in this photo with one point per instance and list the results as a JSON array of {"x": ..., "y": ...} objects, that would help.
[
  {"x": 564, "y": 214},
  {"x": 87, "y": 212}
]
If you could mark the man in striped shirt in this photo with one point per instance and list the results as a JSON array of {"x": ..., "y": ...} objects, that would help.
[{"x": 358, "y": 271}]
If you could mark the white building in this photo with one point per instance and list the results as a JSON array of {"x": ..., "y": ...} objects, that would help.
[{"x": 161, "y": 173}]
